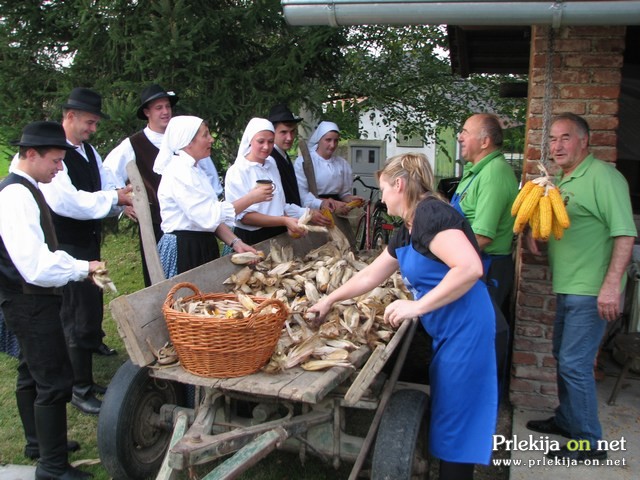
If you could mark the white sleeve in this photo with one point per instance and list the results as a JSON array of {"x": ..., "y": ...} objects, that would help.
[
  {"x": 23, "y": 238},
  {"x": 307, "y": 198},
  {"x": 117, "y": 160},
  {"x": 347, "y": 180}
]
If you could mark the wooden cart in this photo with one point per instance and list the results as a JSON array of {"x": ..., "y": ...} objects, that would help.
[{"x": 145, "y": 427}]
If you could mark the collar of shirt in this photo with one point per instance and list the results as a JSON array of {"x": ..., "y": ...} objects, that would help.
[
  {"x": 475, "y": 168},
  {"x": 79, "y": 149},
  {"x": 280, "y": 151},
  {"x": 17, "y": 171},
  {"x": 154, "y": 137},
  {"x": 579, "y": 170}
]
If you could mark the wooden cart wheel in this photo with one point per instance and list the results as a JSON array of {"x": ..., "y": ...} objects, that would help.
[
  {"x": 401, "y": 451},
  {"x": 130, "y": 444}
]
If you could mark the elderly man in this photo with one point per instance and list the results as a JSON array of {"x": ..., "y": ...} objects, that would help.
[
  {"x": 80, "y": 196},
  {"x": 156, "y": 107},
  {"x": 32, "y": 270},
  {"x": 588, "y": 267},
  {"x": 484, "y": 196}
]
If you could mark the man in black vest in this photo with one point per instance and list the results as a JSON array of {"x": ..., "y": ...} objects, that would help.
[
  {"x": 80, "y": 196},
  {"x": 32, "y": 270},
  {"x": 285, "y": 125},
  {"x": 157, "y": 106}
]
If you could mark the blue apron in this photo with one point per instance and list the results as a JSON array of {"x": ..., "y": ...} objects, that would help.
[{"x": 464, "y": 399}]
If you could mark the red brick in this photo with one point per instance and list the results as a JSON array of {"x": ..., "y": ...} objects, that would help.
[
  {"x": 603, "y": 139},
  {"x": 528, "y": 300},
  {"x": 588, "y": 61},
  {"x": 604, "y": 76},
  {"x": 589, "y": 92},
  {"x": 531, "y": 259},
  {"x": 533, "y": 400},
  {"x": 535, "y": 373},
  {"x": 530, "y": 345},
  {"x": 533, "y": 153},
  {"x": 524, "y": 358},
  {"x": 535, "y": 315},
  {"x": 607, "y": 154},
  {"x": 613, "y": 45},
  {"x": 549, "y": 389},
  {"x": 573, "y": 45},
  {"x": 549, "y": 361},
  {"x": 521, "y": 385},
  {"x": 539, "y": 60},
  {"x": 533, "y": 272},
  {"x": 603, "y": 107},
  {"x": 529, "y": 331},
  {"x": 593, "y": 31},
  {"x": 602, "y": 123},
  {"x": 579, "y": 107},
  {"x": 536, "y": 287},
  {"x": 571, "y": 76}
]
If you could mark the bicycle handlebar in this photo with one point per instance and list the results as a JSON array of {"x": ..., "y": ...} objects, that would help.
[{"x": 370, "y": 187}]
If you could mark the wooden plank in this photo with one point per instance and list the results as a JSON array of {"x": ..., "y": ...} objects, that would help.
[
  {"x": 384, "y": 399},
  {"x": 143, "y": 212},
  {"x": 248, "y": 455},
  {"x": 182, "y": 423},
  {"x": 374, "y": 366}
]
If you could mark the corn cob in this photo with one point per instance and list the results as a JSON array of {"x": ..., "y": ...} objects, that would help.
[
  {"x": 559, "y": 210},
  {"x": 534, "y": 222},
  {"x": 524, "y": 191},
  {"x": 546, "y": 217},
  {"x": 327, "y": 213},
  {"x": 355, "y": 203},
  {"x": 557, "y": 229},
  {"x": 527, "y": 207}
]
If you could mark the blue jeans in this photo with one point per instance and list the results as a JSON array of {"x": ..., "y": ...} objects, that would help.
[{"x": 577, "y": 332}]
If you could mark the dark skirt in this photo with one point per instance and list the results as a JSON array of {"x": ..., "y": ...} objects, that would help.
[
  {"x": 195, "y": 249},
  {"x": 251, "y": 237}
]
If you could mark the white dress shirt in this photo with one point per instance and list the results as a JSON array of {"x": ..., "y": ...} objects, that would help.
[
  {"x": 241, "y": 177},
  {"x": 23, "y": 238},
  {"x": 187, "y": 199},
  {"x": 66, "y": 200},
  {"x": 333, "y": 177},
  {"x": 119, "y": 157}
]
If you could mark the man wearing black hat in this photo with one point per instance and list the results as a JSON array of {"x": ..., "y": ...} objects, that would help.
[
  {"x": 156, "y": 107},
  {"x": 32, "y": 270},
  {"x": 285, "y": 125},
  {"x": 80, "y": 196}
]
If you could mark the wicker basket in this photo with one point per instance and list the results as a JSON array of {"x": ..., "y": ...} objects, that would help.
[{"x": 221, "y": 347}]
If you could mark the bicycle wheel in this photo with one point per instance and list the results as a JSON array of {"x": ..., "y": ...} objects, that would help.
[
  {"x": 361, "y": 232},
  {"x": 380, "y": 238}
]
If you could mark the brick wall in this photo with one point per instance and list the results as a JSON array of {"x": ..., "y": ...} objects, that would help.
[{"x": 585, "y": 81}]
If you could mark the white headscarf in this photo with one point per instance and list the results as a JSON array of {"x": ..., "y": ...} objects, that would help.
[
  {"x": 321, "y": 131},
  {"x": 254, "y": 126},
  {"x": 179, "y": 133}
]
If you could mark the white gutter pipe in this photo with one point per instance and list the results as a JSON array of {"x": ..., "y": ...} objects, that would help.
[{"x": 461, "y": 12}]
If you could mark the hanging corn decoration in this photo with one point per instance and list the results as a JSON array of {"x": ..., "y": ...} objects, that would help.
[{"x": 540, "y": 204}]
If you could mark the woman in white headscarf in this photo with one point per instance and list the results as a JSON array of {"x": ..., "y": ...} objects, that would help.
[
  {"x": 263, "y": 220},
  {"x": 333, "y": 174},
  {"x": 192, "y": 216}
]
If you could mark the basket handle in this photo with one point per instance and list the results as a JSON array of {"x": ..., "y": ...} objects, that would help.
[
  {"x": 272, "y": 301},
  {"x": 169, "y": 300}
]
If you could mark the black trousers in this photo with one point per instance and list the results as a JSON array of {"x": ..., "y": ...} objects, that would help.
[
  {"x": 251, "y": 237},
  {"x": 82, "y": 304},
  {"x": 43, "y": 363}
]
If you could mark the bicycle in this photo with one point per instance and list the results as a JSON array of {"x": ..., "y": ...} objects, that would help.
[{"x": 375, "y": 225}]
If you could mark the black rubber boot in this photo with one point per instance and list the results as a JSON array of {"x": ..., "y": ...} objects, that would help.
[
  {"x": 83, "y": 397},
  {"x": 25, "y": 400},
  {"x": 51, "y": 425}
]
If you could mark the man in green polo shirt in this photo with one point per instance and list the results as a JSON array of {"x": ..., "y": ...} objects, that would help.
[
  {"x": 588, "y": 266},
  {"x": 484, "y": 196}
]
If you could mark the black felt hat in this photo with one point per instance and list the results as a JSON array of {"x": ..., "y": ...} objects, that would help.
[
  {"x": 43, "y": 134},
  {"x": 281, "y": 114},
  {"x": 85, "y": 100},
  {"x": 154, "y": 92}
]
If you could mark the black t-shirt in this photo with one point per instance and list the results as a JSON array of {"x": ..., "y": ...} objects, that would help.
[{"x": 432, "y": 217}]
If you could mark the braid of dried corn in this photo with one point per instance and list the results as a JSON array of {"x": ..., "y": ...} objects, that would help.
[
  {"x": 559, "y": 210},
  {"x": 527, "y": 208},
  {"x": 524, "y": 191},
  {"x": 546, "y": 217}
]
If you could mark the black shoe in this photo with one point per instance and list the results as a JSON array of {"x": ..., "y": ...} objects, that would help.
[
  {"x": 34, "y": 452},
  {"x": 578, "y": 455},
  {"x": 547, "y": 426},
  {"x": 98, "y": 389},
  {"x": 105, "y": 350},
  {"x": 88, "y": 404},
  {"x": 72, "y": 473}
]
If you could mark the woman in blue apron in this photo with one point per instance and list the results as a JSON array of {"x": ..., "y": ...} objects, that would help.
[
  {"x": 439, "y": 260},
  {"x": 498, "y": 290}
]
